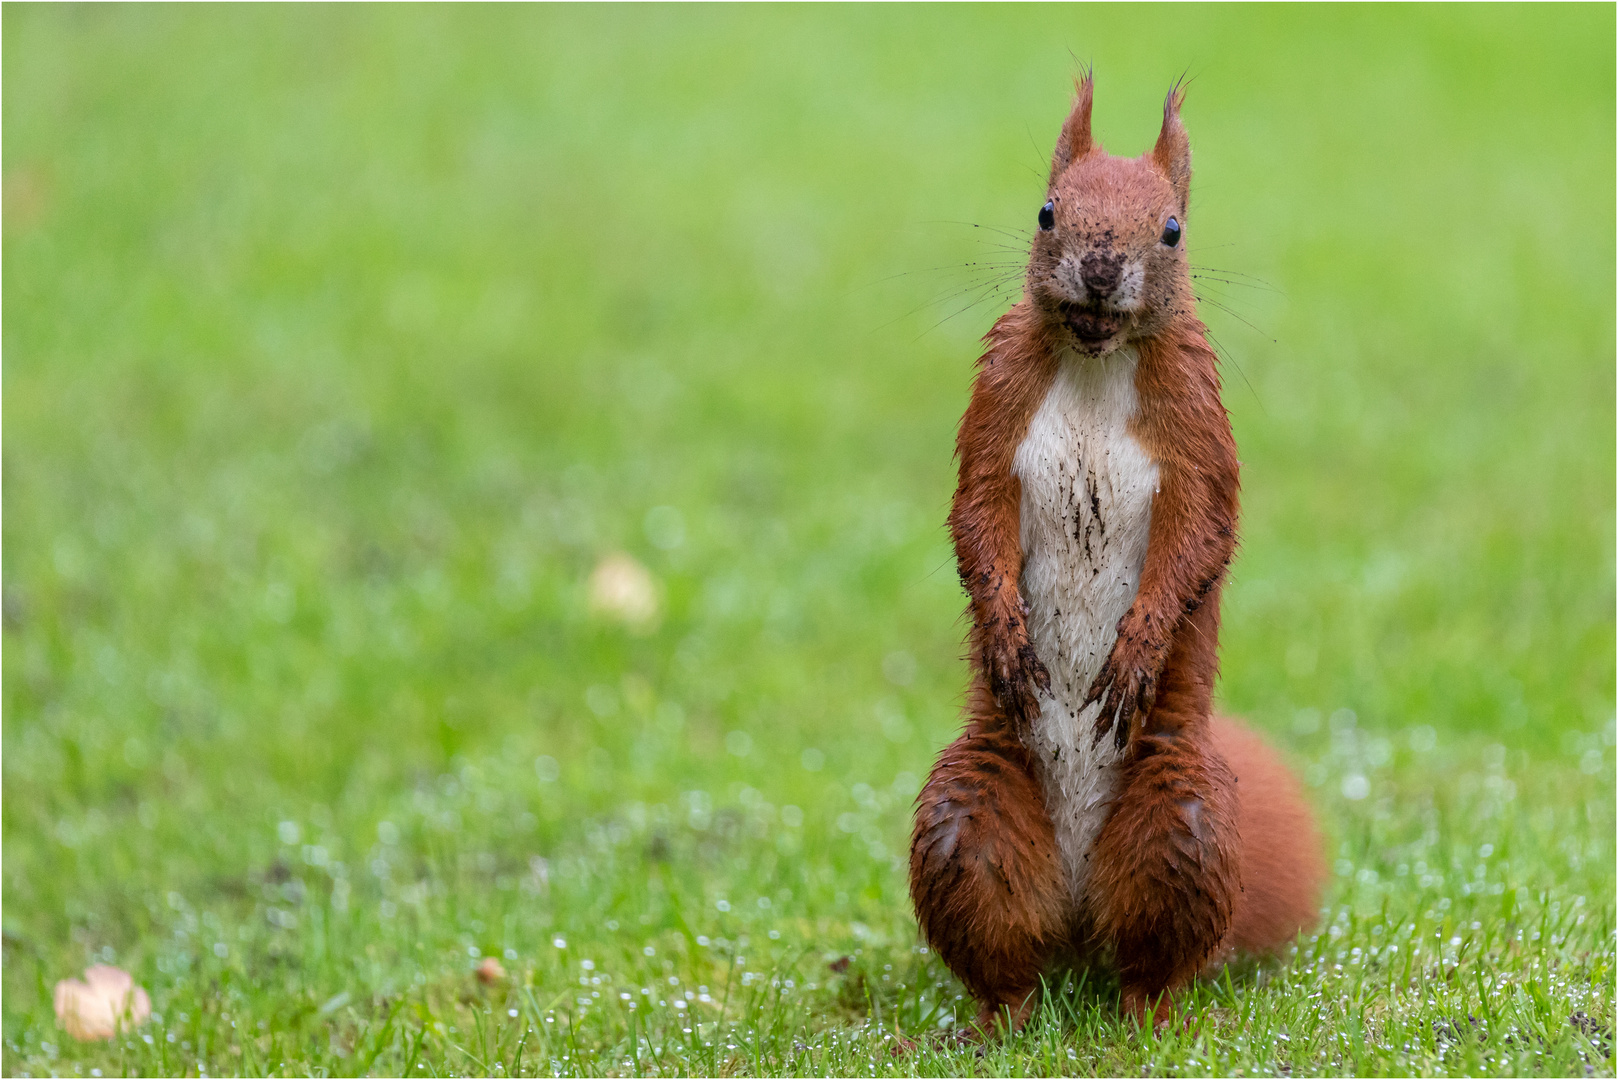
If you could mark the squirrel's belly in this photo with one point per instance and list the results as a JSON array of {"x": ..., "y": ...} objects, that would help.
[{"x": 1087, "y": 487}]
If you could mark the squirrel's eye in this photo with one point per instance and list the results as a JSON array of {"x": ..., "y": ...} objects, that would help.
[
  {"x": 1047, "y": 216},
  {"x": 1171, "y": 233}
]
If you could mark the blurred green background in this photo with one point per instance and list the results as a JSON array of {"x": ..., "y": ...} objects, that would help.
[{"x": 341, "y": 344}]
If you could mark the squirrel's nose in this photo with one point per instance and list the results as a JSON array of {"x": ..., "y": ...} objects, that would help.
[{"x": 1101, "y": 271}]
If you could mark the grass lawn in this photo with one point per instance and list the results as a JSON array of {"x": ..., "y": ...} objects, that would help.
[{"x": 341, "y": 344}]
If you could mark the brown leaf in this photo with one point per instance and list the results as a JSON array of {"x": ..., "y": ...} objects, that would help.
[{"x": 623, "y": 590}]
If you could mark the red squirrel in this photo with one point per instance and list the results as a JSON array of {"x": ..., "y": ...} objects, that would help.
[{"x": 1094, "y": 810}]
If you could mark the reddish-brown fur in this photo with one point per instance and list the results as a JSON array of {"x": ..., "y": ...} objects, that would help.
[
  {"x": 1209, "y": 846},
  {"x": 984, "y": 870},
  {"x": 1283, "y": 861}
]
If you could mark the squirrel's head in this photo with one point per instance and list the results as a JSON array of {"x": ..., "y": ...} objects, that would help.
[{"x": 1108, "y": 263}]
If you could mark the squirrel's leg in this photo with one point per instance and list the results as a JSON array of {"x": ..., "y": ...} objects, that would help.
[
  {"x": 985, "y": 875},
  {"x": 1165, "y": 871}
]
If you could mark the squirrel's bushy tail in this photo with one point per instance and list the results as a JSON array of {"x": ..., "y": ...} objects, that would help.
[{"x": 1283, "y": 861}]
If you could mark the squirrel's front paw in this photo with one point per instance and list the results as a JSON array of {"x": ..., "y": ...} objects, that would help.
[
  {"x": 1126, "y": 684},
  {"x": 1016, "y": 676}
]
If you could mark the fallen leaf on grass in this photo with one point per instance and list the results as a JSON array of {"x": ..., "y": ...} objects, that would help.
[
  {"x": 490, "y": 971},
  {"x": 622, "y": 589},
  {"x": 105, "y": 1003}
]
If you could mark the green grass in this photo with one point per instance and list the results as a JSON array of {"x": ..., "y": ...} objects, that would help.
[{"x": 340, "y": 344}]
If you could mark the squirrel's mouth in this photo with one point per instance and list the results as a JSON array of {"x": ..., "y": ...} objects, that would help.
[{"x": 1091, "y": 325}]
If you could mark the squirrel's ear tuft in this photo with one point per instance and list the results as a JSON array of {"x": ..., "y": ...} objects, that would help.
[
  {"x": 1172, "y": 154},
  {"x": 1074, "y": 141}
]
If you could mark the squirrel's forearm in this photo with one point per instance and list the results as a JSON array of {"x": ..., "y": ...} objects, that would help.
[
  {"x": 1192, "y": 539},
  {"x": 984, "y": 524}
]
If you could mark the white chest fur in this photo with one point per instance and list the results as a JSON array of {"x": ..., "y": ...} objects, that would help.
[{"x": 1087, "y": 488}]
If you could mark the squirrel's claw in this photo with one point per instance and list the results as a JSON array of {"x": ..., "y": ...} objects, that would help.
[
  {"x": 1126, "y": 685},
  {"x": 1108, "y": 717},
  {"x": 1015, "y": 679},
  {"x": 1042, "y": 677},
  {"x": 1122, "y": 697}
]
